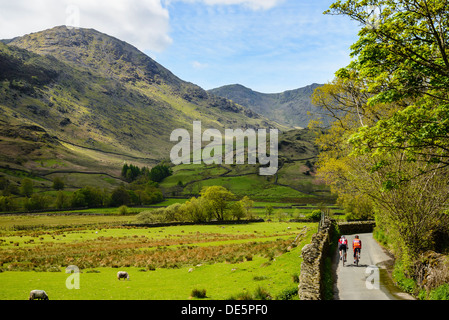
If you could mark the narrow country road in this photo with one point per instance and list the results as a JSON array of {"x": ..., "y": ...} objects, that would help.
[{"x": 369, "y": 280}]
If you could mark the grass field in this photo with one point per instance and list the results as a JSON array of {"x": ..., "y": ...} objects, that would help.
[
  {"x": 228, "y": 261},
  {"x": 244, "y": 180}
]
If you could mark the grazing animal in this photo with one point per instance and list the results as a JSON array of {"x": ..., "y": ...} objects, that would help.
[
  {"x": 122, "y": 274},
  {"x": 38, "y": 295}
]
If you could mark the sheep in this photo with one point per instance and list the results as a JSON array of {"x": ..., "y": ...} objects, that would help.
[
  {"x": 38, "y": 295},
  {"x": 122, "y": 274}
]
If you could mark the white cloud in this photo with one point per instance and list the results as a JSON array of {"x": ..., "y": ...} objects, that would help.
[
  {"x": 252, "y": 4},
  {"x": 199, "y": 65},
  {"x": 142, "y": 23}
]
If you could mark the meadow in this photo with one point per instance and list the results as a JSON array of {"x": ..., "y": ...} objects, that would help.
[{"x": 164, "y": 263}]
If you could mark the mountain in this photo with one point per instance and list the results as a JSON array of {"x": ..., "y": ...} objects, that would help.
[
  {"x": 288, "y": 108},
  {"x": 79, "y": 101}
]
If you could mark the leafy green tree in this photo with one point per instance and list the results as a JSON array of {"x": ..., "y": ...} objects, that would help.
[
  {"x": 58, "y": 183},
  {"x": 87, "y": 197},
  {"x": 8, "y": 203},
  {"x": 387, "y": 148},
  {"x": 237, "y": 210},
  {"x": 218, "y": 198},
  {"x": 196, "y": 210},
  {"x": 61, "y": 200},
  {"x": 36, "y": 202},
  {"x": 26, "y": 187},
  {"x": 120, "y": 196},
  {"x": 160, "y": 172},
  {"x": 77, "y": 200},
  {"x": 269, "y": 210},
  {"x": 247, "y": 205},
  {"x": 402, "y": 57}
]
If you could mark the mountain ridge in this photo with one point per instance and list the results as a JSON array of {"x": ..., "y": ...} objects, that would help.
[{"x": 292, "y": 108}]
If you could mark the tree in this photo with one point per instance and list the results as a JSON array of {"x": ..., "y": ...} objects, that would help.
[
  {"x": 196, "y": 210},
  {"x": 388, "y": 147},
  {"x": 119, "y": 197},
  {"x": 7, "y": 203},
  {"x": 61, "y": 200},
  {"x": 247, "y": 205},
  {"x": 237, "y": 210},
  {"x": 269, "y": 210},
  {"x": 58, "y": 183},
  {"x": 218, "y": 198},
  {"x": 36, "y": 202},
  {"x": 26, "y": 187},
  {"x": 160, "y": 172},
  {"x": 403, "y": 58}
]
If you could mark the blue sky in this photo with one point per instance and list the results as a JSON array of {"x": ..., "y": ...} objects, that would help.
[
  {"x": 267, "y": 45},
  {"x": 287, "y": 46}
]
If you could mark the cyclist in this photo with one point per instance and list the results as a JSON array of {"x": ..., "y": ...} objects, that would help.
[
  {"x": 357, "y": 246},
  {"x": 342, "y": 245}
]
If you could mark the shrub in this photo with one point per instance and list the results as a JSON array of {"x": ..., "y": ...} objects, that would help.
[
  {"x": 288, "y": 294},
  {"x": 261, "y": 294},
  {"x": 123, "y": 210},
  {"x": 152, "y": 216},
  {"x": 440, "y": 293},
  {"x": 406, "y": 284},
  {"x": 315, "y": 215},
  {"x": 295, "y": 278},
  {"x": 198, "y": 293}
]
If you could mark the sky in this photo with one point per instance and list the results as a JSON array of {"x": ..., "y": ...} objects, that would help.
[{"x": 267, "y": 45}]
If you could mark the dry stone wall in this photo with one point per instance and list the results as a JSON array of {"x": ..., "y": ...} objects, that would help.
[
  {"x": 313, "y": 254},
  {"x": 356, "y": 227}
]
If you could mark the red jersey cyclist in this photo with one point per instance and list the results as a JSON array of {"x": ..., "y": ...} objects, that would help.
[{"x": 342, "y": 245}]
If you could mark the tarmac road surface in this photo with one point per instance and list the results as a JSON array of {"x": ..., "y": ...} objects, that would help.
[{"x": 369, "y": 280}]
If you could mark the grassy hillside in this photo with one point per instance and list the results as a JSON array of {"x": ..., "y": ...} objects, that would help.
[
  {"x": 81, "y": 101},
  {"x": 295, "y": 181}
]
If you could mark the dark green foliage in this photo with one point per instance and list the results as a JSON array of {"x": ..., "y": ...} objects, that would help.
[
  {"x": 120, "y": 196},
  {"x": 131, "y": 172},
  {"x": 26, "y": 187},
  {"x": 36, "y": 202},
  {"x": 58, "y": 183},
  {"x": 198, "y": 293},
  {"x": 87, "y": 197},
  {"x": 160, "y": 172},
  {"x": 8, "y": 203},
  {"x": 288, "y": 294}
]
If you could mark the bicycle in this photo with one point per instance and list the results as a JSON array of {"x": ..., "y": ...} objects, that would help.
[
  {"x": 343, "y": 257},
  {"x": 357, "y": 257}
]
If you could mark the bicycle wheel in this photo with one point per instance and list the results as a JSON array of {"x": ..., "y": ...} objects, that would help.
[
  {"x": 357, "y": 257},
  {"x": 343, "y": 254}
]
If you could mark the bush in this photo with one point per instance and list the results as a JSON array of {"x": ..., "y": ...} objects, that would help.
[
  {"x": 315, "y": 215},
  {"x": 261, "y": 294},
  {"x": 288, "y": 294},
  {"x": 120, "y": 196},
  {"x": 440, "y": 293},
  {"x": 7, "y": 203},
  {"x": 198, "y": 293},
  {"x": 406, "y": 284},
  {"x": 153, "y": 216},
  {"x": 36, "y": 202},
  {"x": 123, "y": 210}
]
